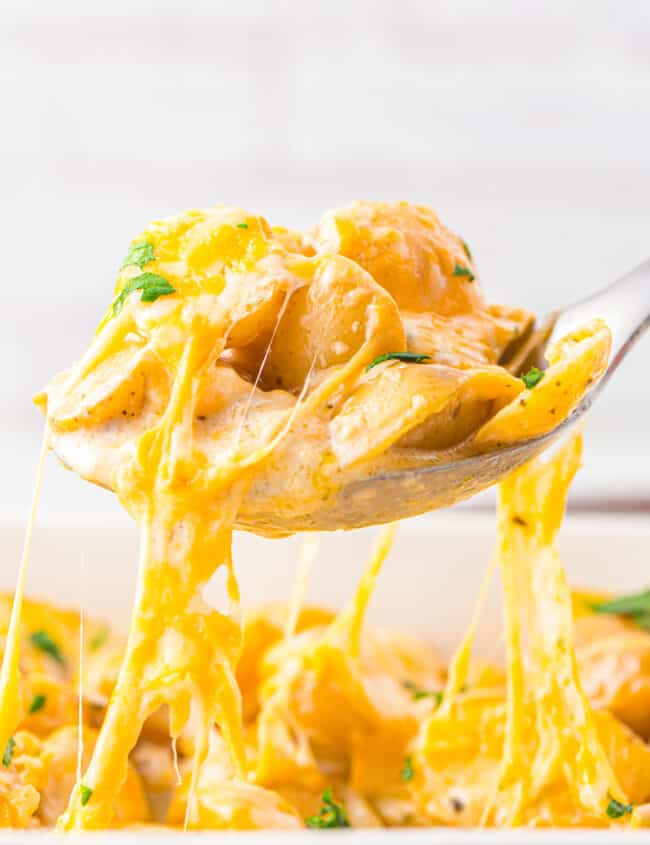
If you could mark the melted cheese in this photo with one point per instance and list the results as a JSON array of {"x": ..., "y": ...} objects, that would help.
[
  {"x": 308, "y": 552},
  {"x": 335, "y": 706},
  {"x": 250, "y": 384},
  {"x": 10, "y": 698},
  {"x": 539, "y": 754},
  {"x": 544, "y": 683}
]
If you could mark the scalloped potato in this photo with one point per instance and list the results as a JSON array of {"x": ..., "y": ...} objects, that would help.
[{"x": 238, "y": 359}]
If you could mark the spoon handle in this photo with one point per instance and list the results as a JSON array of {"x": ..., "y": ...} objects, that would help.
[{"x": 624, "y": 306}]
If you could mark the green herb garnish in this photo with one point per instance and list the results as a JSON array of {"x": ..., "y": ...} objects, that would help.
[
  {"x": 635, "y": 607},
  {"x": 466, "y": 249},
  {"x": 532, "y": 377},
  {"x": 408, "y": 772},
  {"x": 419, "y": 693},
  {"x": 616, "y": 810},
  {"x": 331, "y": 814},
  {"x": 9, "y": 752},
  {"x": 139, "y": 255},
  {"x": 99, "y": 639},
  {"x": 38, "y": 703},
  {"x": 410, "y": 357},
  {"x": 152, "y": 286},
  {"x": 86, "y": 794},
  {"x": 459, "y": 270},
  {"x": 44, "y": 642},
  {"x": 242, "y": 225}
]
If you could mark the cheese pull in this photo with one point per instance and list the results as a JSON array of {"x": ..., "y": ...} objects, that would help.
[
  {"x": 539, "y": 755},
  {"x": 242, "y": 369},
  {"x": 180, "y": 652}
]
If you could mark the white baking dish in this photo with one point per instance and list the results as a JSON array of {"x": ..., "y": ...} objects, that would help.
[{"x": 428, "y": 585}]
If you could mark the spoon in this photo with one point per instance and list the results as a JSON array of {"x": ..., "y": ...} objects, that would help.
[{"x": 389, "y": 496}]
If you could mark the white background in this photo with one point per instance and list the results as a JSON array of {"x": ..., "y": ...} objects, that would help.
[{"x": 525, "y": 124}]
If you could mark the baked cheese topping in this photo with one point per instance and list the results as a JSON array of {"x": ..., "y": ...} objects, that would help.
[{"x": 346, "y": 724}]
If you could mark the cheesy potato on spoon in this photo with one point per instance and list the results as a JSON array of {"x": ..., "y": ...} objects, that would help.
[{"x": 238, "y": 363}]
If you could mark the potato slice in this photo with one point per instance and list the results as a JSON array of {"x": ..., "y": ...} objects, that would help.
[{"x": 576, "y": 363}]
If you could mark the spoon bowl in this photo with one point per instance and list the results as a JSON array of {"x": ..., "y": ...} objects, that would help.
[
  {"x": 399, "y": 494},
  {"x": 393, "y": 492},
  {"x": 392, "y": 495}
]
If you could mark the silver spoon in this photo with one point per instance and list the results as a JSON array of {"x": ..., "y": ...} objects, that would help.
[{"x": 624, "y": 305}]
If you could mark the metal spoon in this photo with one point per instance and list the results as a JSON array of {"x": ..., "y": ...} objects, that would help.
[{"x": 624, "y": 305}]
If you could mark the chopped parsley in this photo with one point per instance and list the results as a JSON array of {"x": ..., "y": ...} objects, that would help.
[
  {"x": 408, "y": 772},
  {"x": 532, "y": 377},
  {"x": 242, "y": 225},
  {"x": 99, "y": 639},
  {"x": 410, "y": 357},
  {"x": 44, "y": 642},
  {"x": 331, "y": 814},
  {"x": 9, "y": 752},
  {"x": 38, "y": 703},
  {"x": 459, "y": 270},
  {"x": 466, "y": 249},
  {"x": 86, "y": 794},
  {"x": 419, "y": 693},
  {"x": 139, "y": 254},
  {"x": 616, "y": 810},
  {"x": 635, "y": 607},
  {"x": 151, "y": 285}
]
